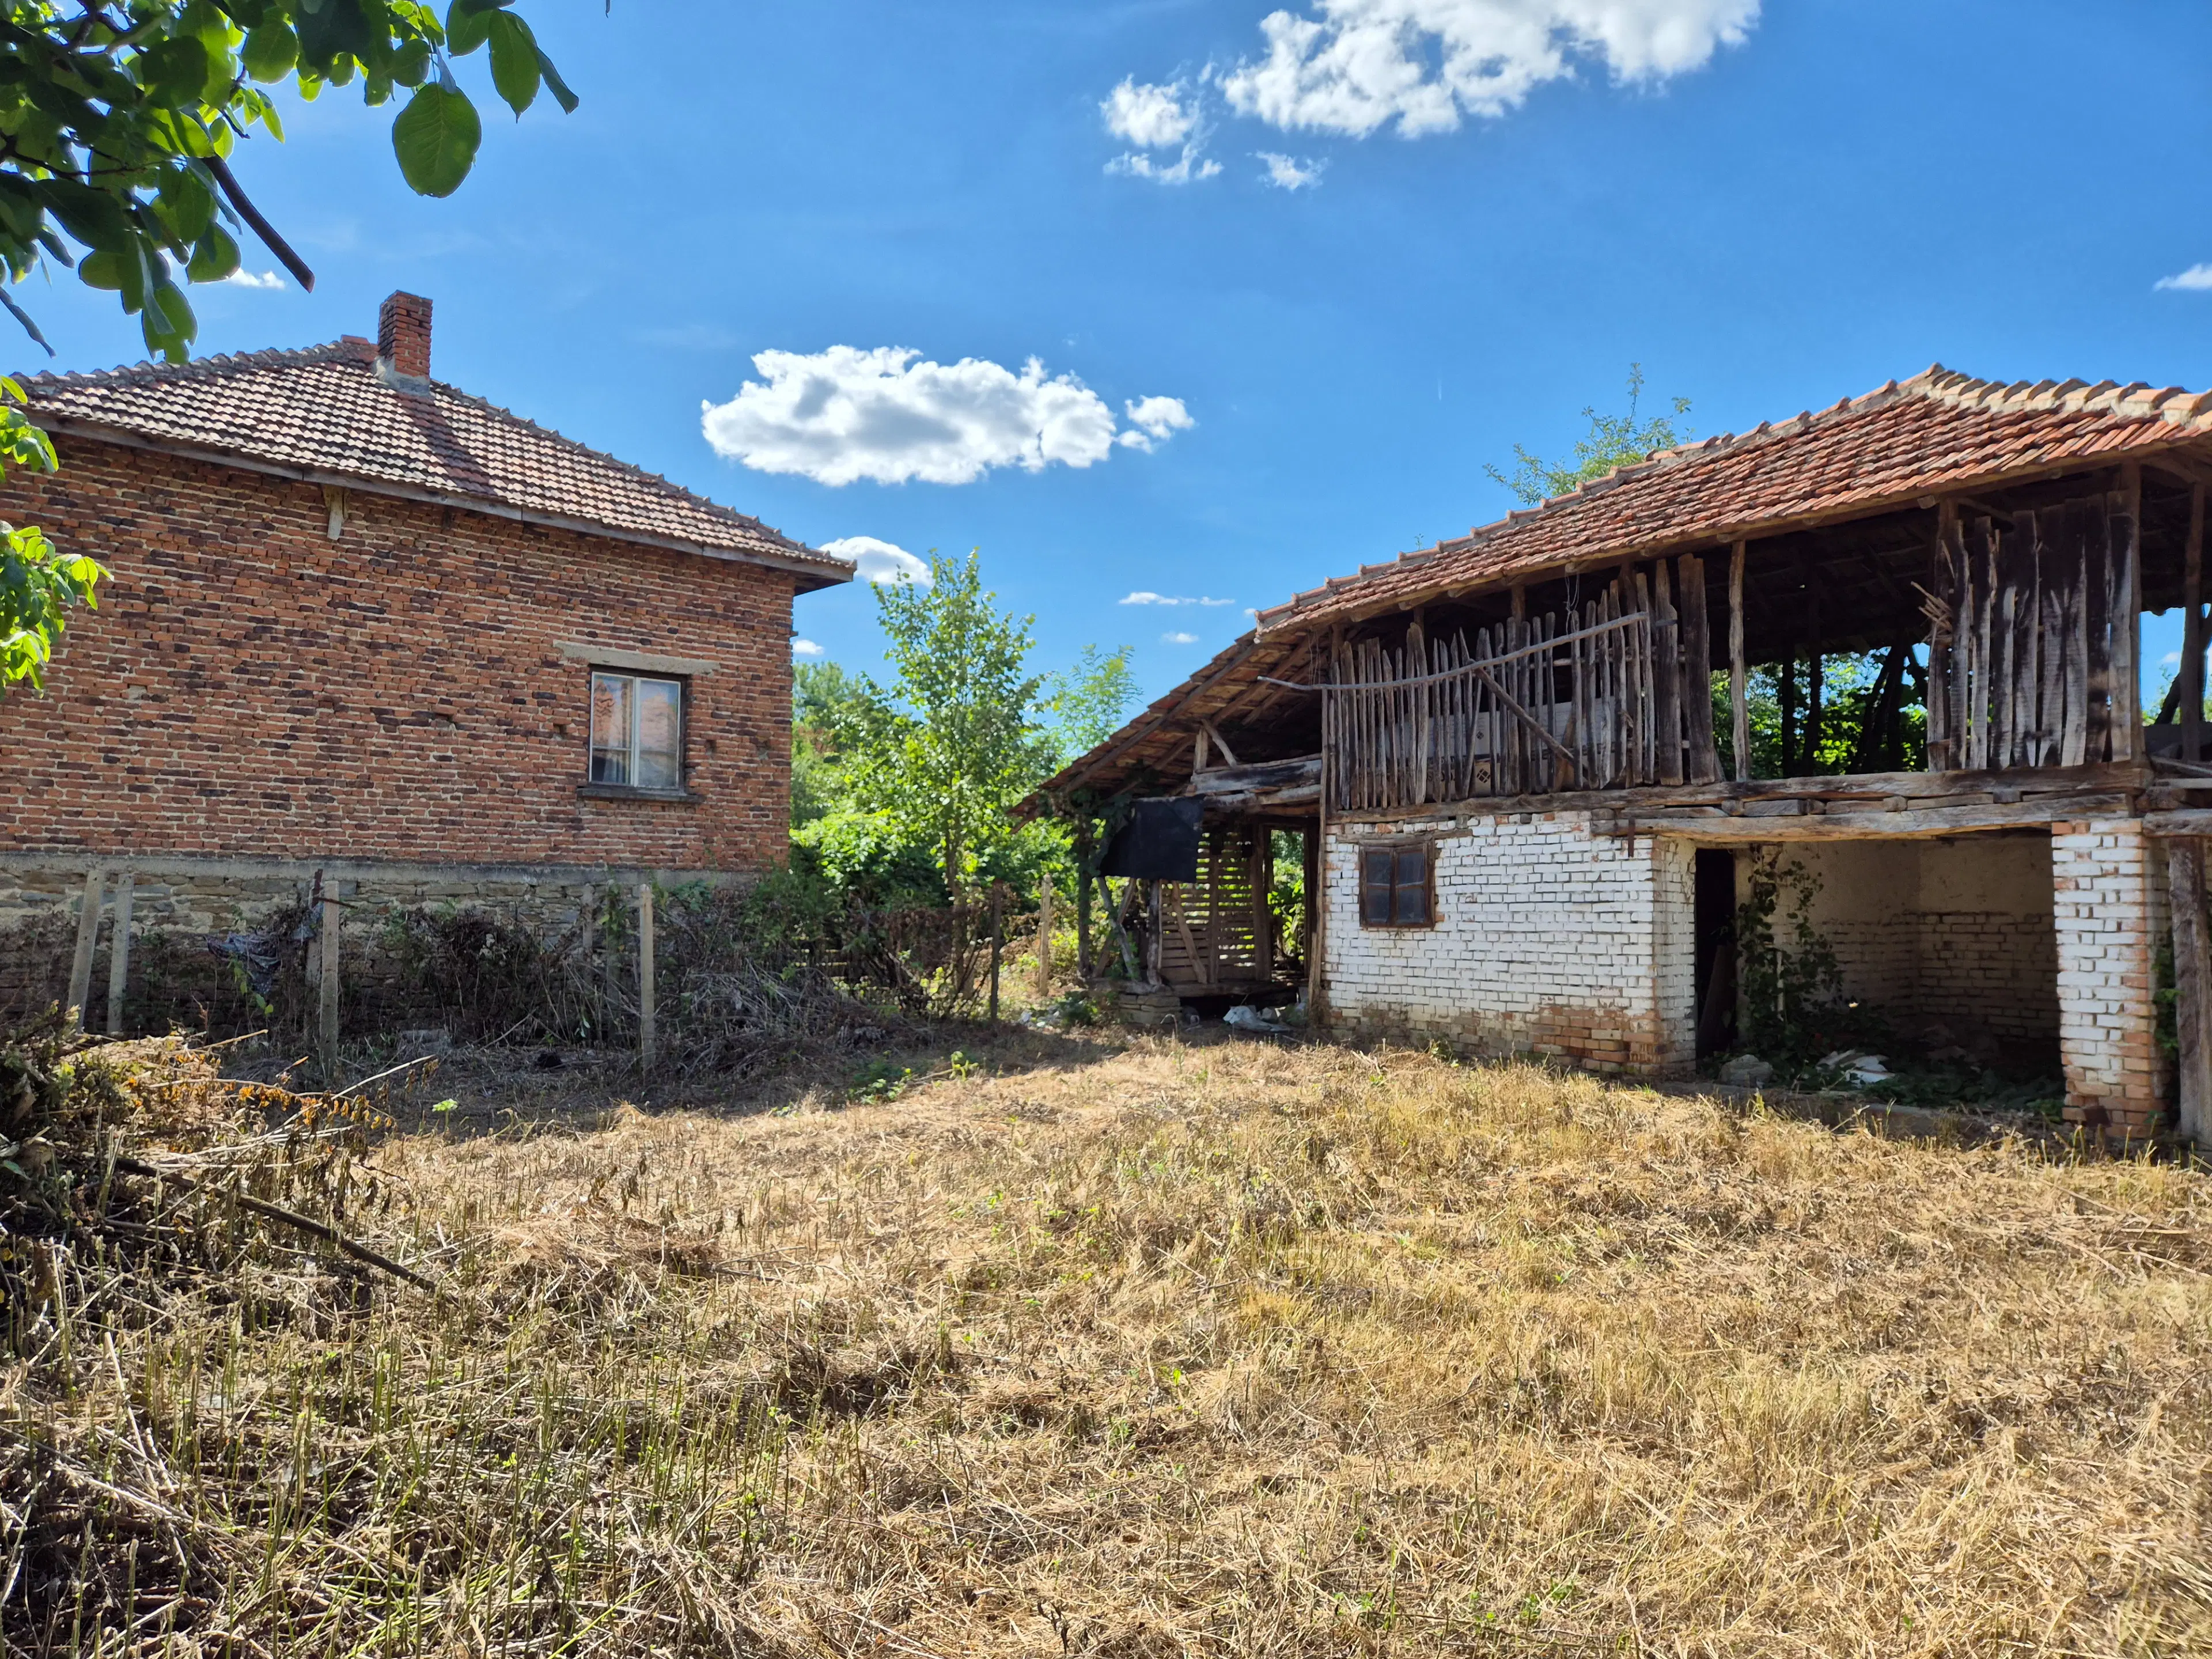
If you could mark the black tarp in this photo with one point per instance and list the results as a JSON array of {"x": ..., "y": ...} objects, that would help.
[{"x": 1158, "y": 843}]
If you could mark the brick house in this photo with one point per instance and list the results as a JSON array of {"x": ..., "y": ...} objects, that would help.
[
  {"x": 366, "y": 628},
  {"x": 1520, "y": 759}
]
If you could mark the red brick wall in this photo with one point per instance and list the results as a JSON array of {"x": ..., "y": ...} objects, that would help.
[{"x": 249, "y": 686}]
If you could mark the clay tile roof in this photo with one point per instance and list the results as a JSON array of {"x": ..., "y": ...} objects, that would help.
[
  {"x": 330, "y": 412},
  {"x": 1938, "y": 431}
]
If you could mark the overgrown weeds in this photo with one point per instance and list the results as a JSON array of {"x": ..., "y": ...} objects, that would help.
[{"x": 1207, "y": 1349}]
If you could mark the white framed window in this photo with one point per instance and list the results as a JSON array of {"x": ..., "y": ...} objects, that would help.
[{"x": 637, "y": 731}]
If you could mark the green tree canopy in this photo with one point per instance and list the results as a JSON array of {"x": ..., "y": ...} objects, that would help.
[
  {"x": 1089, "y": 701},
  {"x": 1612, "y": 440}
]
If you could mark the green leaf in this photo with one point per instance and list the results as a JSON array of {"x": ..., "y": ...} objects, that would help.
[
  {"x": 270, "y": 51},
  {"x": 188, "y": 203},
  {"x": 101, "y": 269},
  {"x": 410, "y": 64},
  {"x": 556, "y": 85},
  {"x": 172, "y": 71},
  {"x": 435, "y": 138},
  {"x": 93, "y": 216},
  {"x": 513, "y": 61},
  {"x": 468, "y": 24},
  {"x": 215, "y": 257}
]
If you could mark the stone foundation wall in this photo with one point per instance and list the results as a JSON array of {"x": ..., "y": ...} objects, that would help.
[{"x": 1548, "y": 939}]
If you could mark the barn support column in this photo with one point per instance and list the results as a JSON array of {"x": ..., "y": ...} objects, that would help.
[{"x": 2111, "y": 910}]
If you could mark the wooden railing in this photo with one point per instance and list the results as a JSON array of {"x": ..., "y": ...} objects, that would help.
[
  {"x": 1613, "y": 694},
  {"x": 2032, "y": 638}
]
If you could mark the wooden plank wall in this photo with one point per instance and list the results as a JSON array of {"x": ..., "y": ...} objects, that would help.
[
  {"x": 1215, "y": 932},
  {"x": 1613, "y": 692},
  {"x": 2031, "y": 637}
]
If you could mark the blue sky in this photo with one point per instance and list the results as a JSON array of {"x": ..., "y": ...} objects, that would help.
[{"x": 1769, "y": 206}]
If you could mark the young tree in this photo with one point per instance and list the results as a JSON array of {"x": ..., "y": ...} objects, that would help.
[
  {"x": 1089, "y": 701},
  {"x": 116, "y": 129},
  {"x": 952, "y": 744},
  {"x": 1612, "y": 440}
]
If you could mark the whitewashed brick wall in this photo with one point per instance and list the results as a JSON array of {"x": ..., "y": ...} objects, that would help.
[
  {"x": 1547, "y": 938},
  {"x": 2111, "y": 911}
]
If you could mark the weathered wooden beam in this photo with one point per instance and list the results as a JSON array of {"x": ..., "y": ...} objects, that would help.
[
  {"x": 2192, "y": 678},
  {"x": 1666, "y": 675},
  {"x": 2192, "y": 981},
  {"x": 2127, "y": 623},
  {"x": 1875, "y": 786},
  {"x": 88, "y": 939},
  {"x": 1219, "y": 742},
  {"x": 1739, "y": 679},
  {"x": 1905, "y": 823}
]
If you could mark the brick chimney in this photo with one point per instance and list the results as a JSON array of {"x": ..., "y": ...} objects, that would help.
[{"x": 403, "y": 335}]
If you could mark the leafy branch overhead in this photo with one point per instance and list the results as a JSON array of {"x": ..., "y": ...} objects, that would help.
[{"x": 116, "y": 126}]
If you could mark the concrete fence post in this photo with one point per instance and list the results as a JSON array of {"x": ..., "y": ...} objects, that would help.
[
  {"x": 119, "y": 953},
  {"x": 648, "y": 1043},
  {"x": 88, "y": 937}
]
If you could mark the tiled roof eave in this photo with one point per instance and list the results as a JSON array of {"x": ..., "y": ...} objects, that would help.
[
  {"x": 819, "y": 570},
  {"x": 1337, "y": 598}
]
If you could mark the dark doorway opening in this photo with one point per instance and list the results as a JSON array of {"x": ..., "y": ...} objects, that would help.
[{"x": 1715, "y": 924}]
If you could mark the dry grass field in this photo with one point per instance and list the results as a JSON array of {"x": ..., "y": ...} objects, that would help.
[{"x": 1197, "y": 1348}]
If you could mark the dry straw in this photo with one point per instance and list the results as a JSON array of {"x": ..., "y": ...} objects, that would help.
[{"x": 1209, "y": 1349}]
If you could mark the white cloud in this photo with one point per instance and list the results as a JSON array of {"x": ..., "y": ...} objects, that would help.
[
  {"x": 2195, "y": 280},
  {"x": 243, "y": 278},
  {"x": 1146, "y": 596},
  {"x": 805, "y": 648},
  {"x": 1152, "y": 421},
  {"x": 1178, "y": 639},
  {"x": 849, "y": 413},
  {"x": 2171, "y": 660},
  {"x": 879, "y": 562},
  {"x": 1157, "y": 117},
  {"x": 1360, "y": 64},
  {"x": 1288, "y": 173},
  {"x": 1150, "y": 117},
  {"x": 1191, "y": 167}
]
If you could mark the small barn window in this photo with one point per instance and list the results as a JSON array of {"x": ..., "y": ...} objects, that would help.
[
  {"x": 637, "y": 731},
  {"x": 1393, "y": 886}
]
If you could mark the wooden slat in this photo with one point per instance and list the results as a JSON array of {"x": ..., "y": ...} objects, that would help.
[
  {"x": 2123, "y": 524},
  {"x": 1666, "y": 674},
  {"x": 2192, "y": 982},
  {"x": 2085, "y": 529}
]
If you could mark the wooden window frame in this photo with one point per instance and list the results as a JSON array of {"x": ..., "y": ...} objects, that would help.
[
  {"x": 1427, "y": 847},
  {"x": 591, "y": 789}
]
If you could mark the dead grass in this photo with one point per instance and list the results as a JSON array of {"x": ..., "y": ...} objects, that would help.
[{"x": 1210, "y": 1348}]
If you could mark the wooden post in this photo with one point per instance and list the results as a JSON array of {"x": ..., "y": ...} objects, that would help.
[
  {"x": 2192, "y": 981},
  {"x": 1316, "y": 910},
  {"x": 1788, "y": 702},
  {"x": 327, "y": 1045},
  {"x": 995, "y": 915},
  {"x": 1941, "y": 740},
  {"x": 1044, "y": 937},
  {"x": 1810, "y": 742},
  {"x": 2192, "y": 631},
  {"x": 1152, "y": 932},
  {"x": 648, "y": 1037},
  {"x": 88, "y": 937},
  {"x": 1666, "y": 675},
  {"x": 1085, "y": 968},
  {"x": 2127, "y": 626},
  {"x": 1697, "y": 670},
  {"x": 1739, "y": 682},
  {"x": 119, "y": 953}
]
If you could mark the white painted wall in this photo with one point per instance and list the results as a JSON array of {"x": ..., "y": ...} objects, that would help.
[{"x": 1547, "y": 938}]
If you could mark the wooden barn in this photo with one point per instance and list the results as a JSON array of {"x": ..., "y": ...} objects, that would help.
[{"x": 1524, "y": 773}]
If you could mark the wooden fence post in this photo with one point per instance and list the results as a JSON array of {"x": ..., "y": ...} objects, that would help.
[
  {"x": 327, "y": 1045},
  {"x": 996, "y": 891},
  {"x": 647, "y": 1036},
  {"x": 1044, "y": 937},
  {"x": 88, "y": 937},
  {"x": 119, "y": 953},
  {"x": 2193, "y": 964}
]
